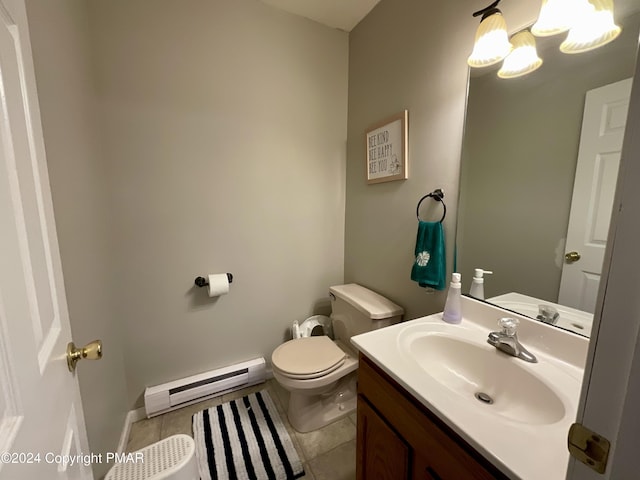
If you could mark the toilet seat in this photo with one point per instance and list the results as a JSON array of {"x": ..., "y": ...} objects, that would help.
[
  {"x": 311, "y": 376},
  {"x": 308, "y": 358}
]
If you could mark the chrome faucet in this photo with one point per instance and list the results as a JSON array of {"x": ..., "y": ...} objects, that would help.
[
  {"x": 507, "y": 340},
  {"x": 547, "y": 314}
]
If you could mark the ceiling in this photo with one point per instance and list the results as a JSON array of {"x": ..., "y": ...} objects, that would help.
[
  {"x": 346, "y": 14},
  {"x": 341, "y": 14}
]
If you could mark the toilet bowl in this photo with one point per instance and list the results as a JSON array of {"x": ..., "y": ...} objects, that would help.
[{"x": 320, "y": 373}]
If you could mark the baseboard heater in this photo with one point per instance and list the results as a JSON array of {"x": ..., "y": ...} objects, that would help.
[{"x": 180, "y": 393}]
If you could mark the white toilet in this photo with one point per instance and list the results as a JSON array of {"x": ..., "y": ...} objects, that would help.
[{"x": 321, "y": 373}]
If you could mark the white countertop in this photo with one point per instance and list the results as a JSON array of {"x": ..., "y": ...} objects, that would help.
[{"x": 522, "y": 442}]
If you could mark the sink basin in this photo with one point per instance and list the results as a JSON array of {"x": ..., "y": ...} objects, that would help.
[{"x": 492, "y": 381}]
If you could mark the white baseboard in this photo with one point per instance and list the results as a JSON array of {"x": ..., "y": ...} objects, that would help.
[{"x": 133, "y": 416}]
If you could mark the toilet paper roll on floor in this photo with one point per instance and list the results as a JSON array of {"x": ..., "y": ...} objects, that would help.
[{"x": 218, "y": 284}]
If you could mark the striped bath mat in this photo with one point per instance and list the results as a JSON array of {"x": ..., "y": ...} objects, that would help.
[{"x": 245, "y": 439}]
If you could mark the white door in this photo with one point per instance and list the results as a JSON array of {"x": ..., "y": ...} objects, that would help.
[
  {"x": 603, "y": 125},
  {"x": 41, "y": 420}
]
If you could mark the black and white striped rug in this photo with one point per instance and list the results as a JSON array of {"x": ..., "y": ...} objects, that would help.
[{"x": 245, "y": 439}]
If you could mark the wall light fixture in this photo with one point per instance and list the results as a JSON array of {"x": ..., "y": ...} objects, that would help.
[
  {"x": 492, "y": 40},
  {"x": 590, "y": 24},
  {"x": 558, "y": 16},
  {"x": 595, "y": 28},
  {"x": 523, "y": 58}
]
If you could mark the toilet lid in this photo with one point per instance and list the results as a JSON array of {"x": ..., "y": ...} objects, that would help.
[{"x": 307, "y": 356}]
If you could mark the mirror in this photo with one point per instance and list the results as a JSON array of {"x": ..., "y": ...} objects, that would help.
[{"x": 519, "y": 159}]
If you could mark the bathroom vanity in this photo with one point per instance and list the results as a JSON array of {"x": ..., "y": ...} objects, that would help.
[{"x": 437, "y": 401}]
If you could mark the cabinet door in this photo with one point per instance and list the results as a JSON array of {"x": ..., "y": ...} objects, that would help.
[{"x": 381, "y": 454}]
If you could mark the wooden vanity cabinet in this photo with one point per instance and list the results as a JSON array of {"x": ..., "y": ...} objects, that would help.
[{"x": 399, "y": 438}]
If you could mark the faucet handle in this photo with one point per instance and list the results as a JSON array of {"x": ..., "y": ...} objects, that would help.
[
  {"x": 547, "y": 313},
  {"x": 509, "y": 325}
]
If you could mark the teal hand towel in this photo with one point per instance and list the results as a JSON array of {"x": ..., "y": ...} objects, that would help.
[{"x": 429, "y": 267}]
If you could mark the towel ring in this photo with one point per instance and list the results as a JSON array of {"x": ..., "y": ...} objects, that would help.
[{"x": 438, "y": 196}]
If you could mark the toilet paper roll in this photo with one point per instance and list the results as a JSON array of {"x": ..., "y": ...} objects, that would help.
[{"x": 218, "y": 284}]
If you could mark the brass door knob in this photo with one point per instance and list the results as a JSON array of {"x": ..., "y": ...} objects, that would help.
[
  {"x": 572, "y": 257},
  {"x": 91, "y": 351}
]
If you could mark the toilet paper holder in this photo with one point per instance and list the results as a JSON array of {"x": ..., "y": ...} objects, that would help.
[{"x": 203, "y": 282}]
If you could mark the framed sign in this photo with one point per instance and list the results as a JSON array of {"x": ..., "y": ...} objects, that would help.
[{"x": 387, "y": 149}]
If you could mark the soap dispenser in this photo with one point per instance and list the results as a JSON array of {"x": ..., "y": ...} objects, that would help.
[
  {"x": 477, "y": 284},
  {"x": 453, "y": 308}
]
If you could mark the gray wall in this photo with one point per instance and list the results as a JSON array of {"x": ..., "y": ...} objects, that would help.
[
  {"x": 225, "y": 129},
  {"x": 519, "y": 160},
  {"x": 405, "y": 55},
  {"x": 60, "y": 44}
]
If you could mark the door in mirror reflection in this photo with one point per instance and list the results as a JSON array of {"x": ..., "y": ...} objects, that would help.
[{"x": 603, "y": 124}]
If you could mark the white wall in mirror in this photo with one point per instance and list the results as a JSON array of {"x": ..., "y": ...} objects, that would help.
[{"x": 518, "y": 164}]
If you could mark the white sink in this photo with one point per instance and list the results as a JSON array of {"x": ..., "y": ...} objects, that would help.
[
  {"x": 487, "y": 378},
  {"x": 524, "y": 431}
]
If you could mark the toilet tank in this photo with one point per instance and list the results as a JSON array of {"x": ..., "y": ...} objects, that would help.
[{"x": 356, "y": 309}]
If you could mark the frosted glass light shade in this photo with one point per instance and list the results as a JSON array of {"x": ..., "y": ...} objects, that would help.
[
  {"x": 524, "y": 57},
  {"x": 492, "y": 42},
  {"x": 558, "y": 16},
  {"x": 595, "y": 29}
]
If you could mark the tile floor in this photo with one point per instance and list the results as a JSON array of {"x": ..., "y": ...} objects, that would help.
[{"x": 327, "y": 454}]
